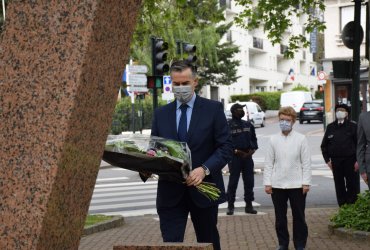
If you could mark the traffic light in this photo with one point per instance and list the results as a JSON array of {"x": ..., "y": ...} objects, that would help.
[
  {"x": 190, "y": 50},
  {"x": 159, "y": 56},
  {"x": 154, "y": 82}
]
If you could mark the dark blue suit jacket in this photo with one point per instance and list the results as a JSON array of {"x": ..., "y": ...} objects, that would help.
[{"x": 209, "y": 142}]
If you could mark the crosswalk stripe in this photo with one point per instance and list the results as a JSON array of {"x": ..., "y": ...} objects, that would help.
[
  {"x": 122, "y": 198},
  {"x": 115, "y": 188},
  {"x": 111, "y": 179},
  {"x": 122, "y": 193},
  {"x": 123, "y": 205},
  {"x": 125, "y": 184}
]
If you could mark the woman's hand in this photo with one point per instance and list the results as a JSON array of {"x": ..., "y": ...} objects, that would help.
[
  {"x": 268, "y": 189},
  {"x": 305, "y": 188}
]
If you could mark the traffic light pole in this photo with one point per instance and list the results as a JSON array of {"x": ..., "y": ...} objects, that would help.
[
  {"x": 155, "y": 94},
  {"x": 355, "y": 103}
]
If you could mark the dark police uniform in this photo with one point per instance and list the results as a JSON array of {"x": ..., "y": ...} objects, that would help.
[
  {"x": 244, "y": 139},
  {"x": 339, "y": 146}
]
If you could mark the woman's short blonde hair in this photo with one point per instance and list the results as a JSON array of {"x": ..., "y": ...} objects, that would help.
[{"x": 288, "y": 111}]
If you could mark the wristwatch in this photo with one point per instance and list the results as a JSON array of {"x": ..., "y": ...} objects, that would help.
[{"x": 206, "y": 170}]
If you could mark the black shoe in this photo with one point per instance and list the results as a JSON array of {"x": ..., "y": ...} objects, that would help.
[
  {"x": 230, "y": 211},
  {"x": 249, "y": 208},
  {"x": 282, "y": 248},
  {"x": 299, "y": 248}
]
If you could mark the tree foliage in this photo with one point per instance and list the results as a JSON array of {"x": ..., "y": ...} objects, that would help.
[
  {"x": 275, "y": 18},
  {"x": 187, "y": 21}
]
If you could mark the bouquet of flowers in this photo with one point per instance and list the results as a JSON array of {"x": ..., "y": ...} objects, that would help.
[{"x": 169, "y": 159}]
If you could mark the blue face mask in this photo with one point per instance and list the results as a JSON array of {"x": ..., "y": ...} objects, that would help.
[{"x": 285, "y": 126}]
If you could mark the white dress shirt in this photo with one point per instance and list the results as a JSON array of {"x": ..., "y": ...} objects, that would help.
[{"x": 287, "y": 161}]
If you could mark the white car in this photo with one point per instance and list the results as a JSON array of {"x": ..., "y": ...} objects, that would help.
[{"x": 253, "y": 113}]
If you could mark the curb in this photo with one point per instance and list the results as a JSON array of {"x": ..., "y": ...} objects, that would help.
[
  {"x": 116, "y": 221},
  {"x": 348, "y": 233}
]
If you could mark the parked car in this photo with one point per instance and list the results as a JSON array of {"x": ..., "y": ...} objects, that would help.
[
  {"x": 313, "y": 110},
  {"x": 295, "y": 99},
  {"x": 253, "y": 113}
]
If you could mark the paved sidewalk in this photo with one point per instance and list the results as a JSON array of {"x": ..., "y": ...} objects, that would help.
[{"x": 240, "y": 231}]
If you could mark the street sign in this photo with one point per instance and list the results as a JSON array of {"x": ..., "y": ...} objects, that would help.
[
  {"x": 321, "y": 75},
  {"x": 136, "y": 79},
  {"x": 137, "y": 69},
  {"x": 168, "y": 96},
  {"x": 167, "y": 84},
  {"x": 142, "y": 89}
]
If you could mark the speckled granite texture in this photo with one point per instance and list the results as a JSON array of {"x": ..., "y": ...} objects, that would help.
[
  {"x": 167, "y": 246},
  {"x": 60, "y": 69}
]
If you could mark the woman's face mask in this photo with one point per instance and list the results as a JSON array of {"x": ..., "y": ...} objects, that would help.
[
  {"x": 341, "y": 115},
  {"x": 183, "y": 93},
  {"x": 285, "y": 125}
]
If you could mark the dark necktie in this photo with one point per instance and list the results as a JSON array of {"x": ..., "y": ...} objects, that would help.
[{"x": 182, "y": 132}]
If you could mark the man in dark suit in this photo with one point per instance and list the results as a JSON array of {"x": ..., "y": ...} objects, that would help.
[
  {"x": 363, "y": 148},
  {"x": 206, "y": 132}
]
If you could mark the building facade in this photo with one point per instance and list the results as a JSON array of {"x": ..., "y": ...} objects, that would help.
[
  {"x": 337, "y": 62},
  {"x": 263, "y": 67}
]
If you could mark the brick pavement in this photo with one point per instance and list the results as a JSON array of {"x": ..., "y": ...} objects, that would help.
[{"x": 240, "y": 231}]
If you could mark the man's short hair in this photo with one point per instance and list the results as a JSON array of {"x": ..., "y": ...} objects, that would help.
[
  {"x": 288, "y": 111},
  {"x": 181, "y": 65}
]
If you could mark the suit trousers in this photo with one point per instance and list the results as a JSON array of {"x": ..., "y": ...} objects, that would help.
[
  {"x": 297, "y": 200},
  {"x": 173, "y": 222},
  {"x": 346, "y": 180},
  {"x": 244, "y": 166}
]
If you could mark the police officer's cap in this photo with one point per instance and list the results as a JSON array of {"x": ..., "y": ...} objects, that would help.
[
  {"x": 343, "y": 106},
  {"x": 235, "y": 107}
]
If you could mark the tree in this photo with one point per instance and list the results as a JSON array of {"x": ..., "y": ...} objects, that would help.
[
  {"x": 187, "y": 21},
  {"x": 2, "y": 16},
  {"x": 225, "y": 71},
  {"x": 275, "y": 18}
]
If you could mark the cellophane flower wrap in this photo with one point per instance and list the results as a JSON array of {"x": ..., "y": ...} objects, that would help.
[{"x": 169, "y": 159}]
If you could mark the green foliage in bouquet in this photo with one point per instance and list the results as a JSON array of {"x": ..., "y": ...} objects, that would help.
[
  {"x": 355, "y": 216},
  {"x": 209, "y": 190},
  {"x": 175, "y": 149}
]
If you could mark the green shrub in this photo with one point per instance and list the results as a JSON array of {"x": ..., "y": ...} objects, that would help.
[
  {"x": 266, "y": 100},
  {"x": 355, "y": 216},
  {"x": 300, "y": 87}
]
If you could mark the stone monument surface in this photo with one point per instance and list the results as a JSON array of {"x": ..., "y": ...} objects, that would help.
[{"x": 60, "y": 68}]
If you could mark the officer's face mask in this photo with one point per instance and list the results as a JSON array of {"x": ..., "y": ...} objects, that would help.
[
  {"x": 285, "y": 125},
  {"x": 341, "y": 115},
  {"x": 183, "y": 93}
]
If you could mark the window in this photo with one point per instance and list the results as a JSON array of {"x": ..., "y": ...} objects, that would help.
[{"x": 347, "y": 15}]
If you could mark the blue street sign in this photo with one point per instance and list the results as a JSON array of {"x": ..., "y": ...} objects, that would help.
[
  {"x": 124, "y": 76},
  {"x": 167, "y": 80}
]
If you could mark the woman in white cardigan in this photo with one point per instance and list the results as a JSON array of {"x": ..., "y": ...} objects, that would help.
[{"x": 287, "y": 176}]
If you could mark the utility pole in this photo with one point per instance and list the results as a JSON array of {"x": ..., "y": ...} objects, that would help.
[{"x": 355, "y": 104}]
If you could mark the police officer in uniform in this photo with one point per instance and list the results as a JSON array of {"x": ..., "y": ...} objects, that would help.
[
  {"x": 244, "y": 145},
  {"x": 339, "y": 151}
]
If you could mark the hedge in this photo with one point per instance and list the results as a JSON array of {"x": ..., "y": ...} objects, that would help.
[{"x": 266, "y": 100}]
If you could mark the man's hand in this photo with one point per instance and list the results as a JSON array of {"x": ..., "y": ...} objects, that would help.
[
  {"x": 268, "y": 189},
  {"x": 364, "y": 177},
  {"x": 356, "y": 167},
  {"x": 195, "y": 177},
  {"x": 305, "y": 188},
  {"x": 244, "y": 154},
  {"x": 330, "y": 165}
]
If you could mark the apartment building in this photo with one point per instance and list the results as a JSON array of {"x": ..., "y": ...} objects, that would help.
[
  {"x": 263, "y": 67},
  {"x": 339, "y": 85}
]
